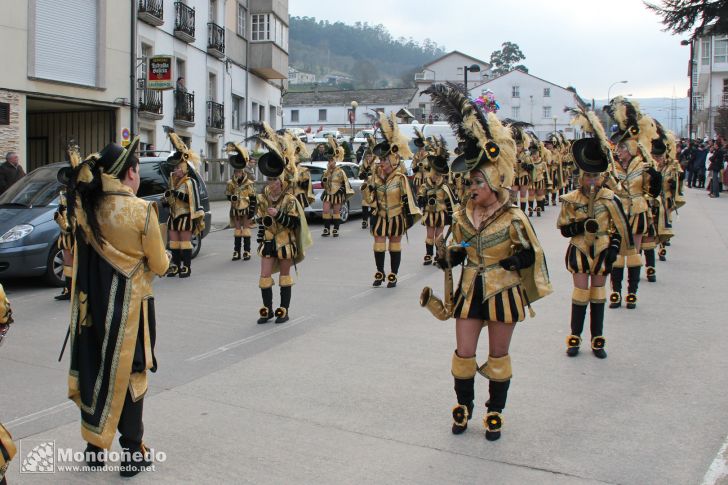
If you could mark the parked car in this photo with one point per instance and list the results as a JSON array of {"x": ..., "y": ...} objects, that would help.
[
  {"x": 361, "y": 135},
  {"x": 323, "y": 136},
  {"x": 29, "y": 235},
  {"x": 300, "y": 133},
  {"x": 352, "y": 206}
]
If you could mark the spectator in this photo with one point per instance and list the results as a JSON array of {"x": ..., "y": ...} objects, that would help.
[
  {"x": 698, "y": 167},
  {"x": 686, "y": 162},
  {"x": 319, "y": 155},
  {"x": 716, "y": 165},
  {"x": 10, "y": 171}
]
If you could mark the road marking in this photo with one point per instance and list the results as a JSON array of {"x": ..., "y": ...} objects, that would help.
[
  {"x": 247, "y": 340},
  {"x": 718, "y": 470},
  {"x": 40, "y": 414}
]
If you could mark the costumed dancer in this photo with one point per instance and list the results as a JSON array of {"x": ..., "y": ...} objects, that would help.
[
  {"x": 337, "y": 189},
  {"x": 7, "y": 446},
  {"x": 632, "y": 179},
  {"x": 568, "y": 168},
  {"x": 119, "y": 252},
  {"x": 394, "y": 208},
  {"x": 240, "y": 191},
  {"x": 303, "y": 188},
  {"x": 523, "y": 167},
  {"x": 66, "y": 225},
  {"x": 283, "y": 235},
  {"x": 419, "y": 160},
  {"x": 503, "y": 265},
  {"x": 366, "y": 168},
  {"x": 593, "y": 218},
  {"x": 186, "y": 215},
  {"x": 556, "y": 174},
  {"x": 435, "y": 197},
  {"x": 672, "y": 181},
  {"x": 539, "y": 176}
]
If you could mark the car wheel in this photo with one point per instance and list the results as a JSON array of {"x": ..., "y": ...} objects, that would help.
[
  {"x": 196, "y": 245},
  {"x": 54, "y": 267},
  {"x": 344, "y": 212}
]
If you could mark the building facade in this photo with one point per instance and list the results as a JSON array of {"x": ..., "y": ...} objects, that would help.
[
  {"x": 709, "y": 76},
  {"x": 66, "y": 76},
  {"x": 299, "y": 77}
]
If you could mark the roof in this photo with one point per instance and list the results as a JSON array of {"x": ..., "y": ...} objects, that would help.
[
  {"x": 479, "y": 61},
  {"x": 384, "y": 97}
]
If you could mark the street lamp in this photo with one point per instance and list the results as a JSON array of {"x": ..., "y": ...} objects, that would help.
[
  {"x": 555, "y": 119},
  {"x": 610, "y": 89},
  {"x": 352, "y": 120},
  {"x": 690, "y": 89},
  {"x": 472, "y": 68}
]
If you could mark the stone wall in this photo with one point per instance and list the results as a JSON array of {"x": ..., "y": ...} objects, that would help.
[{"x": 10, "y": 135}]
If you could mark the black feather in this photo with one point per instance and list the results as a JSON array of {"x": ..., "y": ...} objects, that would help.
[{"x": 453, "y": 101}]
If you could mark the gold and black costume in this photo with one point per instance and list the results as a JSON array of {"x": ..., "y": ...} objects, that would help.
[
  {"x": 65, "y": 242},
  {"x": 303, "y": 188},
  {"x": 366, "y": 169},
  {"x": 672, "y": 198},
  {"x": 240, "y": 191},
  {"x": 540, "y": 181},
  {"x": 7, "y": 446},
  {"x": 435, "y": 198},
  {"x": 420, "y": 165},
  {"x": 119, "y": 252},
  {"x": 556, "y": 172},
  {"x": 503, "y": 265},
  {"x": 337, "y": 189},
  {"x": 523, "y": 166}
]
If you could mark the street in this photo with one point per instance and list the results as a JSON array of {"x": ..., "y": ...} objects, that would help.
[{"x": 356, "y": 387}]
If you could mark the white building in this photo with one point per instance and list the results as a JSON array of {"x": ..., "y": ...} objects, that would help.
[
  {"x": 330, "y": 109},
  {"x": 450, "y": 67},
  {"x": 65, "y": 75},
  {"x": 233, "y": 56},
  {"x": 298, "y": 77},
  {"x": 524, "y": 97},
  {"x": 709, "y": 81}
]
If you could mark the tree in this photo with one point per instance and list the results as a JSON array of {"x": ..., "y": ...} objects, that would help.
[
  {"x": 505, "y": 59},
  {"x": 680, "y": 16},
  {"x": 365, "y": 74}
]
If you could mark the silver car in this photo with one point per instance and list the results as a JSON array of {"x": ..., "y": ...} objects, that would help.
[{"x": 352, "y": 206}]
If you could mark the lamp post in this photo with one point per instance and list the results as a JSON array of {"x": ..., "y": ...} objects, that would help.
[
  {"x": 352, "y": 120},
  {"x": 555, "y": 120},
  {"x": 610, "y": 89},
  {"x": 690, "y": 89},
  {"x": 471, "y": 68}
]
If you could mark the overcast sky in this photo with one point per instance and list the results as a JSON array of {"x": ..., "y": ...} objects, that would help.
[{"x": 587, "y": 44}]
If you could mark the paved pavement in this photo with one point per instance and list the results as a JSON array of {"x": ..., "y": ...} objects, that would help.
[{"x": 356, "y": 388}]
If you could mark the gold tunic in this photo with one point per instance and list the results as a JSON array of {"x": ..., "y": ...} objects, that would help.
[
  {"x": 420, "y": 167},
  {"x": 631, "y": 185},
  {"x": 438, "y": 201},
  {"x": 303, "y": 190},
  {"x": 333, "y": 181},
  {"x": 391, "y": 201},
  {"x": 284, "y": 238},
  {"x": 65, "y": 240},
  {"x": 243, "y": 190}
]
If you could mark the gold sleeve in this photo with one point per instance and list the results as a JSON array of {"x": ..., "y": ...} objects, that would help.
[
  {"x": 6, "y": 314},
  {"x": 518, "y": 234},
  {"x": 191, "y": 194},
  {"x": 229, "y": 188},
  {"x": 566, "y": 216},
  {"x": 262, "y": 206},
  {"x": 152, "y": 242}
]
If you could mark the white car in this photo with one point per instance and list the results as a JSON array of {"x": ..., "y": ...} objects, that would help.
[
  {"x": 300, "y": 133},
  {"x": 361, "y": 136},
  {"x": 352, "y": 206},
  {"x": 323, "y": 136}
]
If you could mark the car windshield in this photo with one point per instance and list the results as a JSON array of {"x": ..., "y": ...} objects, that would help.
[
  {"x": 316, "y": 173},
  {"x": 39, "y": 188},
  {"x": 153, "y": 181}
]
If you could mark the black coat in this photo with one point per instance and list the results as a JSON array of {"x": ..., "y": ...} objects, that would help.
[
  {"x": 9, "y": 174},
  {"x": 716, "y": 162}
]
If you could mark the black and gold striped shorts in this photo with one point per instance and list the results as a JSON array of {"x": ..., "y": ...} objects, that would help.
[
  {"x": 334, "y": 199},
  {"x": 578, "y": 262},
  {"x": 539, "y": 185},
  {"x": 522, "y": 181},
  {"x": 508, "y": 306},
  {"x": 388, "y": 227},
  {"x": 181, "y": 223},
  {"x": 267, "y": 249},
  {"x": 638, "y": 223},
  {"x": 436, "y": 219},
  {"x": 303, "y": 200}
]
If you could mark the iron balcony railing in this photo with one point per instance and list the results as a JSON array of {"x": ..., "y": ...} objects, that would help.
[
  {"x": 215, "y": 37},
  {"x": 184, "y": 19},
  {"x": 155, "y": 8},
  {"x": 215, "y": 115},
  {"x": 184, "y": 106},
  {"x": 150, "y": 101}
]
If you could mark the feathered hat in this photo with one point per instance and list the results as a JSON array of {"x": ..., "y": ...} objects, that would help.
[
  {"x": 371, "y": 143},
  {"x": 334, "y": 150},
  {"x": 438, "y": 156},
  {"x": 394, "y": 141},
  {"x": 487, "y": 144},
  {"x": 554, "y": 139},
  {"x": 419, "y": 138},
  {"x": 182, "y": 153},
  {"x": 592, "y": 154},
  {"x": 238, "y": 155},
  {"x": 273, "y": 162},
  {"x": 631, "y": 123},
  {"x": 659, "y": 144},
  {"x": 518, "y": 132},
  {"x": 292, "y": 142}
]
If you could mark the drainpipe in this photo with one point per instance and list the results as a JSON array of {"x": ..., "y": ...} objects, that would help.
[{"x": 133, "y": 67}]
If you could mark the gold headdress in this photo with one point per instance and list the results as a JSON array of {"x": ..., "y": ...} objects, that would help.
[
  {"x": 239, "y": 156},
  {"x": 419, "y": 138},
  {"x": 593, "y": 154},
  {"x": 183, "y": 153},
  {"x": 394, "y": 140},
  {"x": 518, "y": 132},
  {"x": 631, "y": 123}
]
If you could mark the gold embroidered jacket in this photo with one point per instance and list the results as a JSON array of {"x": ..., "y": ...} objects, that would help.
[
  {"x": 434, "y": 195},
  {"x": 243, "y": 189},
  {"x": 188, "y": 202},
  {"x": 303, "y": 187},
  {"x": 334, "y": 180},
  {"x": 65, "y": 241},
  {"x": 631, "y": 185},
  {"x": 391, "y": 196}
]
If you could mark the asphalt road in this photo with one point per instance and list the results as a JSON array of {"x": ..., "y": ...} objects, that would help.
[{"x": 356, "y": 388}]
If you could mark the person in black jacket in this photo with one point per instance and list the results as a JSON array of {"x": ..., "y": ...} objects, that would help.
[
  {"x": 716, "y": 165},
  {"x": 10, "y": 171},
  {"x": 319, "y": 154}
]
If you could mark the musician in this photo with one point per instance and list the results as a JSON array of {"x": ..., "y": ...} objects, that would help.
[
  {"x": 186, "y": 215},
  {"x": 503, "y": 265},
  {"x": 366, "y": 167},
  {"x": 556, "y": 176},
  {"x": 539, "y": 176},
  {"x": 419, "y": 160},
  {"x": 434, "y": 197},
  {"x": 119, "y": 251},
  {"x": 302, "y": 188},
  {"x": 7, "y": 446},
  {"x": 65, "y": 240},
  {"x": 240, "y": 191},
  {"x": 593, "y": 218},
  {"x": 632, "y": 179},
  {"x": 337, "y": 189},
  {"x": 393, "y": 206},
  {"x": 660, "y": 231},
  {"x": 283, "y": 235},
  {"x": 671, "y": 171},
  {"x": 522, "y": 179}
]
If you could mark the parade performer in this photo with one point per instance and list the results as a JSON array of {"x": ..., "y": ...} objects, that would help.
[
  {"x": 366, "y": 168},
  {"x": 66, "y": 225},
  {"x": 283, "y": 235},
  {"x": 435, "y": 197},
  {"x": 556, "y": 174},
  {"x": 7, "y": 446},
  {"x": 631, "y": 179},
  {"x": 240, "y": 191},
  {"x": 119, "y": 251},
  {"x": 419, "y": 160},
  {"x": 672, "y": 181},
  {"x": 303, "y": 188},
  {"x": 568, "y": 168},
  {"x": 337, "y": 189},
  {"x": 393, "y": 205},
  {"x": 593, "y": 218},
  {"x": 522, "y": 179},
  {"x": 539, "y": 176},
  {"x": 186, "y": 215},
  {"x": 504, "y": 269}
]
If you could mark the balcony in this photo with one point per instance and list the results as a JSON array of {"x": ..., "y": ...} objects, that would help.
[
  {"x": 215, "y": 117},
  {"x": 150, "y": 104},
  {"x": 268, "y": 61},
  {"x": 724, "y": 100},
  {"x": 215, "y": 40},
  {"x": 184, "y": 22},
  {"x": 184, "y": 108},
  {"x": 151, "y": 12}
]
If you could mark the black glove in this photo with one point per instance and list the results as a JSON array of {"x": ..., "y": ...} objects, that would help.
[
  {"x": 520, "y": 260},
  {"x": 341, "y": 191},
  {"x": 454, "y": 256},
  {"x": 527, "y": 166},
  {"x": 613, "y": 250},
  {"x": 421, "y": 201},
  {"x": 234, "y": 198},
  {"x": 572, "y": 229},
  {"x": 655, "y": 182}
]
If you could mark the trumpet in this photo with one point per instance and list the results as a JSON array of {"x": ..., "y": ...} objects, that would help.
[
  {"x": 591, "y": 226},
  {"x": 267, "y": 221},
  {"x": 442, "y": 310}
]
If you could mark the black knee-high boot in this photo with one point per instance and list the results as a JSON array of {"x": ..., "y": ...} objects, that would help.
[
  {"x": 578, "y": 314},
  {"x": 617, "y": 275},
  {"x": 530, "y": 207},
  {"x": 246, "y": 248},
  {"x": 596, "y": 326},
  {"x": 395, "y": 258},
  {"x": 523, "y": 207},
  {"x": 465, "y": 392},
  {"x": 650, "y": 264},
  {"x": 364, "y": 216},
  {"x": 429, "y": 251},
  {"x": 633, "y": 283},
  {"x": 236, "y": 248},
  {"x": 379, "y": 261},
  {"x": 282, "y": 311},
  {"x": 176, "y": 262},
  {"x": 267, "y": 294},
  {"x": 498, "y": 392},
  {"x": 186, "y": 269}
]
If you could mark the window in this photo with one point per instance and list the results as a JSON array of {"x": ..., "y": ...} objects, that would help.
[
  {"x": 705, "y": 51},
  {"x": 294, "y": 116},
  {"x": 698, "y": 103},
  {"x": 241, "y": 22},
  {"x": 211, "y": 87},
  {"x": 238, "y": 114},
  {"x": 547, "y": 111},
  {"x": 256, "y": 112},
  {"x": 4, "y": 113},
  {"x": 260, "y": 26},
  {"x": 515, "y": 112},
  {"x": 721, "y": 49},
  {"x": 516, "y": 92},
  {"x": 212, "y": 12},
  {"x": 272, "y": 117},
  {"x": 460, "y": 71},
  {"x": 322, "y": 115},
  {"x": 546, "y": 92}
]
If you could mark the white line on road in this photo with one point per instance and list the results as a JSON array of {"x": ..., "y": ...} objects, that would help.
[
  {"x": 718, "y": 470},
  {"x": 252, "y": 338},
  {"x": 39, "y": 414}
]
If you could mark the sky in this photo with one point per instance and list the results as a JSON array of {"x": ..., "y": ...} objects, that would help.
[{"x": 587, "y": 44}]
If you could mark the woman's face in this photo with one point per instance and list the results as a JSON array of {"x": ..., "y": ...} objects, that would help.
[
  {"x": 659, "y": 159},
  {"x": 589, "y": 179},
  {"x": 238, "y": 173},
  {"x": 275, "y": 185},
  {"x": 332, "y": 163},
  {"x": 480, "y": 191},
  {"x": 623, "y": 153},
  {"x": 179, "y": 170}
]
